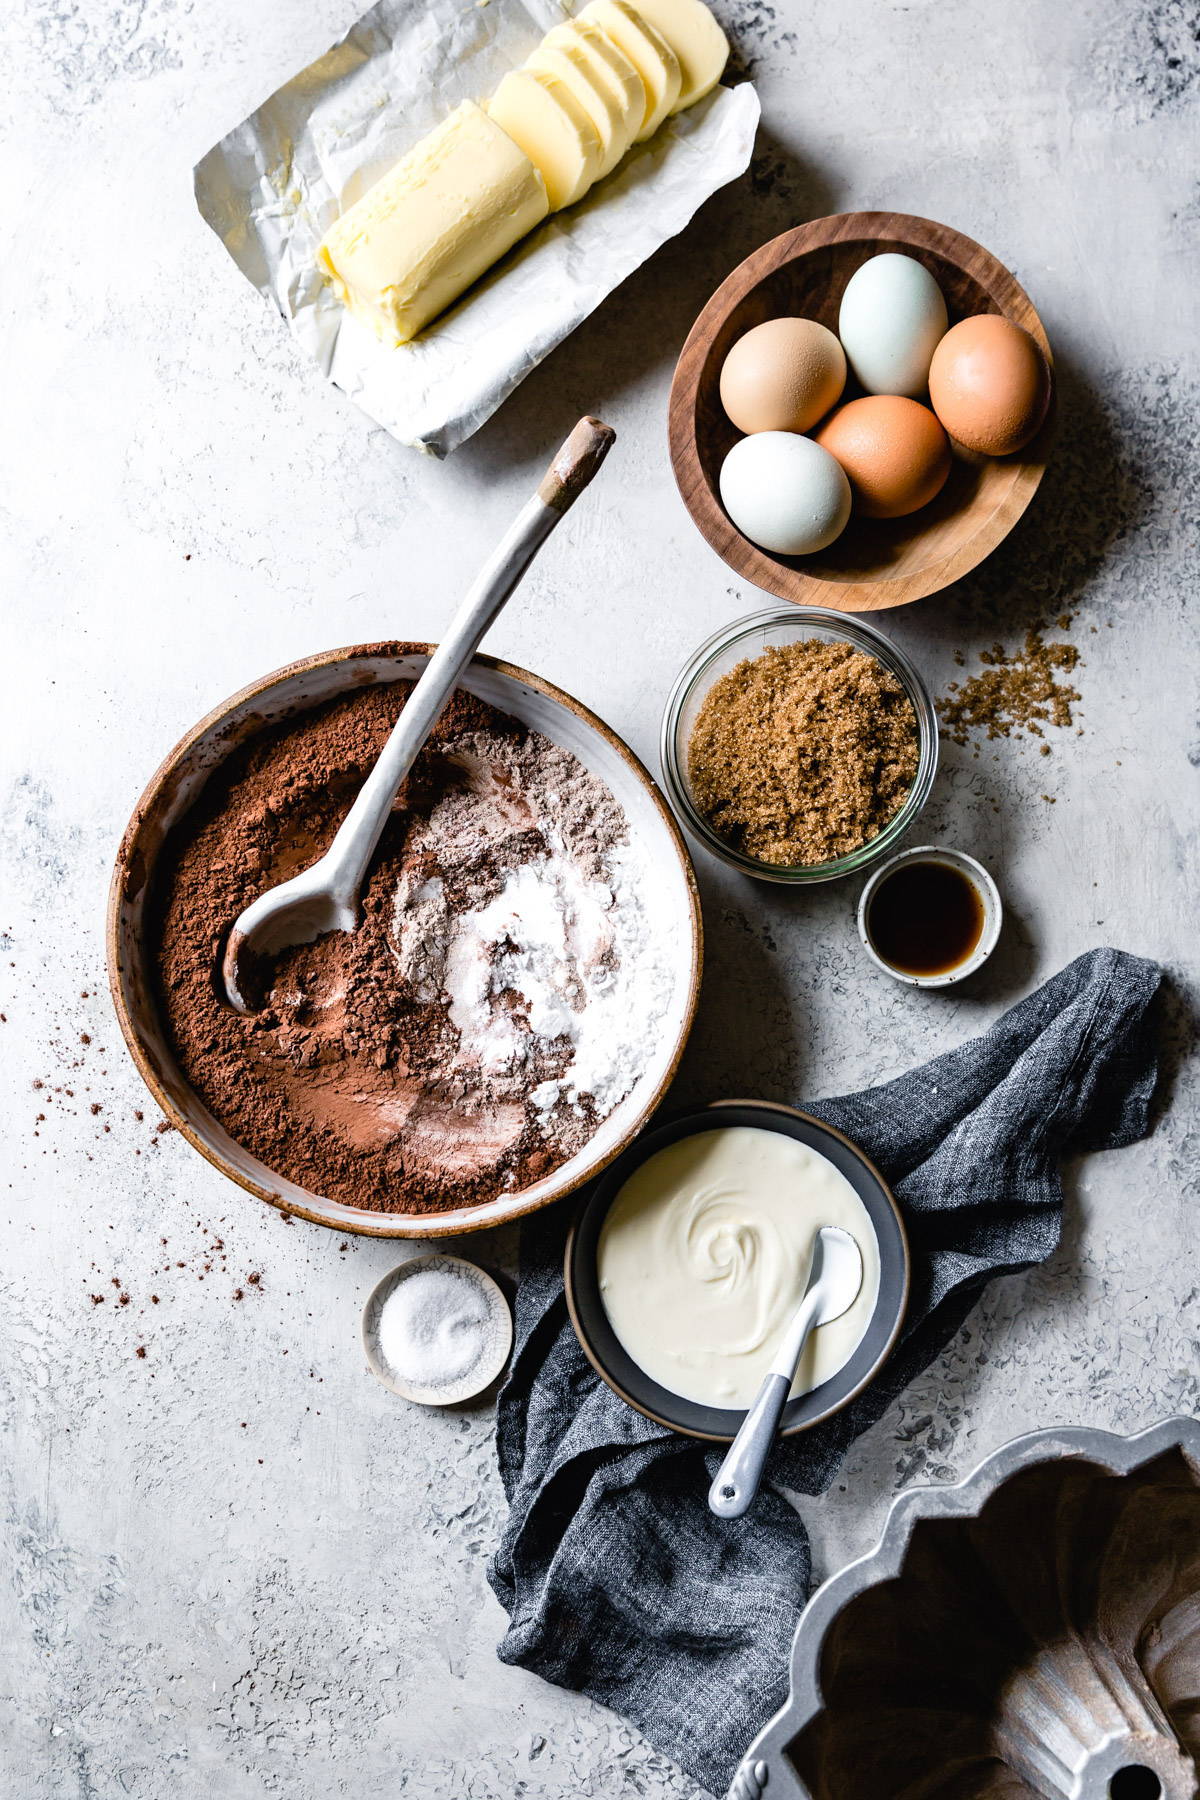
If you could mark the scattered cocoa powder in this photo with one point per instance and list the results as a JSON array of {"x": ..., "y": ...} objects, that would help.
[{"x": 803, "y": 753}]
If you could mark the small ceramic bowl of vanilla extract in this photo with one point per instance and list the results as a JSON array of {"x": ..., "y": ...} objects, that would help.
[{"x": 930, "y": 917}]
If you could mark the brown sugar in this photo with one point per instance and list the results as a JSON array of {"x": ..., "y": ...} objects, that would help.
[
  {"x": 804, "y": 753},
  {"x": 1013, "y": 693}
]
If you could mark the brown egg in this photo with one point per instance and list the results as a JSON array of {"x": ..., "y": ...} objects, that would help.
[
  {"x": 783, "y": 375},
  {"x": 989, "y": 384},
  {"x": 895, "y": 454}
]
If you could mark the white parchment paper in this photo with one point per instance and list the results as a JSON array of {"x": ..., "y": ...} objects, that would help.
[{"x": 273, "y": 186}]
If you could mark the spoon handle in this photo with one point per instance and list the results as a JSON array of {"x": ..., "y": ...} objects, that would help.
[
  {"x": 575, "y": 464},
  {"x": 346, "y": 860},
  {"x": 738, "y": 1478}
]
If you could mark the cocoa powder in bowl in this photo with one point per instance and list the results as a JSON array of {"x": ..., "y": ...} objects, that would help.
[{"x": 402, "y": 1067}]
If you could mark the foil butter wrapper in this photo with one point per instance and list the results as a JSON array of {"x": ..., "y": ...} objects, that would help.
[{"x": 272, "y": 187}]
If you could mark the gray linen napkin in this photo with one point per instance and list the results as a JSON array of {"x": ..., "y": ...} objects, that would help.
[{"x": 617, "y": 1579}]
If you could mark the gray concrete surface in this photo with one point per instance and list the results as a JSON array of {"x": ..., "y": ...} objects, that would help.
[{"x": 236, "y": 1566}]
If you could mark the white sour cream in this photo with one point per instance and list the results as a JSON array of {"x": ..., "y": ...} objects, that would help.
[{"x": 704, "y": 1256}]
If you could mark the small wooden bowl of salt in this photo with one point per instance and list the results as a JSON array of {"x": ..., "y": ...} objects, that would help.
[{"x": 437, "y": 1330}]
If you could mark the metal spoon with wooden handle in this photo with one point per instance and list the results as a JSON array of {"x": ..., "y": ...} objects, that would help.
[
  {"x": 325, "y": 897},
  {"x": 833, "y": 1284}
]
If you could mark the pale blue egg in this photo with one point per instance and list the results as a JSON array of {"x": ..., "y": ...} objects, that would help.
[{"x": 892, "y": 316}]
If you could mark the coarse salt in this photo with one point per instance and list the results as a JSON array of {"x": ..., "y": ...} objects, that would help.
[{"x": 434, "y": 1328}]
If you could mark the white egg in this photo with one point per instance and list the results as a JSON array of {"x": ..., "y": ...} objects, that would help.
[
  {"x": 891, "y": 319},
  {"x": 785, "y": 493}
]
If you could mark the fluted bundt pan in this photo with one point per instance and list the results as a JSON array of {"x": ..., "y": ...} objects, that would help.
[{"x": 1032, "y": 1631}]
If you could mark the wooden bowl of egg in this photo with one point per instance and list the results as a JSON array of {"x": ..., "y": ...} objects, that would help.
[{"x": 862, "y": 411}]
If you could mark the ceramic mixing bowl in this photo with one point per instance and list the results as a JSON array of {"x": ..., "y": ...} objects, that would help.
[{"x": 295, "y": 689}]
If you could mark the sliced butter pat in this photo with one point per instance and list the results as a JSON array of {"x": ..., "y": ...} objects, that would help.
[
  {"x": 542, "y": 115},
  {"x": 612, "y": 68},
  {"x": 697, "y": 40},
  {"x": 647, "y": 50},
  {"x": 570, "y": 65},
  {"x": 433, "y": 224}
]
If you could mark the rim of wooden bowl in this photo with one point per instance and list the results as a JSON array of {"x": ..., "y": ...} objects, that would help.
[
  {"x": 140, "y": 845},
  {"x": 899, "y": 230}
]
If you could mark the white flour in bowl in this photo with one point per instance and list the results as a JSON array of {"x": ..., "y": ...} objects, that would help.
[{"x": 525, "y": 908}]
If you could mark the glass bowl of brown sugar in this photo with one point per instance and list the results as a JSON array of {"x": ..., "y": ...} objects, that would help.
[{"x": 799, "y": 745}]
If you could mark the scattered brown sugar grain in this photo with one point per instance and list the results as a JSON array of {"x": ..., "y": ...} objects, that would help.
[
  {"x": 804, "y": 753},
  {"x": 1016, "y": 692}
]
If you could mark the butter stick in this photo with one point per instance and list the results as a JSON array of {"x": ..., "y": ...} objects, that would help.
[
  {"x": 539, "y": 112},
  {"x": 433, "y": 224},
  {"x": 700, "y": 46}
]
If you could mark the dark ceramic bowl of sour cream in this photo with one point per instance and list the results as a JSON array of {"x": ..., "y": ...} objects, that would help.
[{"x": 609, "y": 1357}]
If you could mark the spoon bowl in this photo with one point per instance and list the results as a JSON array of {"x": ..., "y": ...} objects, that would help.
[
  {"x": 296, "y": 912},
  {"x": 837, "y": 1273}
]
